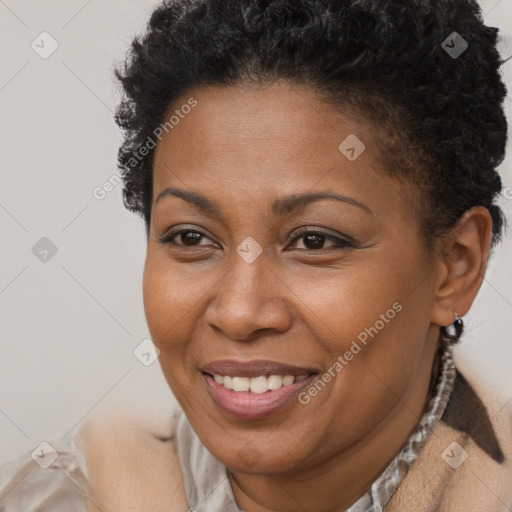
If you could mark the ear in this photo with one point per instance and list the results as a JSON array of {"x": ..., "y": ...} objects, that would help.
[{"x": 462, "y": 261}]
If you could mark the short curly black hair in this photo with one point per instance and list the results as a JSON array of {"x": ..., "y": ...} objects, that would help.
[{"x": 440, "y": 118}]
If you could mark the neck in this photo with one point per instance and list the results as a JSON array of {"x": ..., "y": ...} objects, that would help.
[{"x": 340, "y": 481}]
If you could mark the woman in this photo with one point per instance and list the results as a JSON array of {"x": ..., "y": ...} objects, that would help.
[{"x": 318, "y": 181}]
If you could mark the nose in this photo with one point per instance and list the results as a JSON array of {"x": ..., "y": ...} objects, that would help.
[{"x": 250, "y": 301}]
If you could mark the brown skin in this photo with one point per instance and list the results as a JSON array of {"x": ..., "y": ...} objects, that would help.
[{"x": 244, "y": 147}]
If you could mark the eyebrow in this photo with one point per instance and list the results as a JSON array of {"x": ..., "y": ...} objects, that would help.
[{"x": 280, "y": 207}]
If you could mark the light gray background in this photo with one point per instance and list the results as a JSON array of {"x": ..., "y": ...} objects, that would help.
[{"x": 68, "y": 327}]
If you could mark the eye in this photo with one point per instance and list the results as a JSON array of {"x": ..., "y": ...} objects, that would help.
[
  {"x": 188, "y": 237},
  {"x": 314, "y": 239}
]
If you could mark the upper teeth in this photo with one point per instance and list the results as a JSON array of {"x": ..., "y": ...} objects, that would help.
[{"x": 259, "y": 384}]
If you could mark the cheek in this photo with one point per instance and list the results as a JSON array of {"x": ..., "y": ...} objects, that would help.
[
  {"x": 167, "y": 305},
  {"x": 166, "y": 302},
  {"x": 344, "y": 304},
  {"x": 367, "y": 316},
  {"x": 174, "y": 296}
]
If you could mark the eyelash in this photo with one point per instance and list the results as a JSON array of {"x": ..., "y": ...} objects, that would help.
[{"x": 342, "y": 243}]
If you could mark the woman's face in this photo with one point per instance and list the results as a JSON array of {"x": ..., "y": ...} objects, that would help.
[{"x": 271, "y": 278}]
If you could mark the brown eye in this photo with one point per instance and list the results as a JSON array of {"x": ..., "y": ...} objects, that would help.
[
  {"x": 314, "y": 240},
  {"x": 186, "y": 237}
]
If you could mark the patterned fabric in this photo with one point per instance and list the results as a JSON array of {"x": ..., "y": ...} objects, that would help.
[{"x": 383, "y": 488}]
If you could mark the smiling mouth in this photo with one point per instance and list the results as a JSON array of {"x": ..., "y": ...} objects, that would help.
[
  {"x": 260, "y": 402},
  {"x": 255, "y": 389},
  {"x": 257, "y": 385}
]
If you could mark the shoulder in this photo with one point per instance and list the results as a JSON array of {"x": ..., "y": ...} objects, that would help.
[
  {"x": 115, "y": 462},
  {"x": 466, "y": 463},
  {"x": 479, "y": 412},
  {"x": 479, "y": 426},
  {"x": 51, "y": 475},
  {"x": 132, "y": 464}
]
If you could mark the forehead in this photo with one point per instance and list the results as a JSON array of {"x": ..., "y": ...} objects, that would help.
[
  {"x": 264, "y": 142},
  {"x": 269, "y": 122}
]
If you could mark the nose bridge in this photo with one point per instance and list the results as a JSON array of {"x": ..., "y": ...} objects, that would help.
[
  {"x": 251, "y": 271},
  {"x": 247, "y": 298}
]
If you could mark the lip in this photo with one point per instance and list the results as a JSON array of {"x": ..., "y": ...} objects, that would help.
[
  {"x": 244, "y": 405},
  {"x": 234, "y": 368}
]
